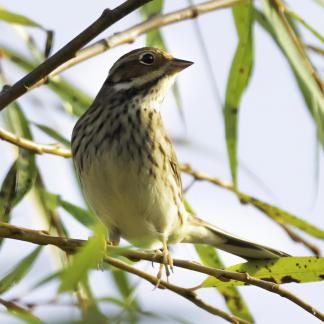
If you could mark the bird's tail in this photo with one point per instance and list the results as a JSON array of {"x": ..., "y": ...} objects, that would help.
[{"x": 199, "y": 231}]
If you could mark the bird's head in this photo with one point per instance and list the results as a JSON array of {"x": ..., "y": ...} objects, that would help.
[{"x": 145, "y": 67}]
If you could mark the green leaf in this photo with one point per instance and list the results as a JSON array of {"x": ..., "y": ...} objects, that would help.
[
  {"x": 238, "y": 79},
  {"x": 232, "y": 297},
  {"x": 93, "y": 315},
  {"x": 261, "y": 19},
  {"x": 53, "y": 133},
  {"x": 15, "y": 18},
  {"x": 295, "y": 53},
  {"x": 84, "y": 216},
  {"x": 89, "y": 256},
  {"x": 152, "y": 8},
  {"x": 24, "y": 315},
  {"x": 22, "y": 173},
  {"x": 19, "y": 271},
  {"x": 53, "y": 201},
  {"x": 74, "y": 100},
  {"x": 283, "y": 270},
  {"x": 305, "y": 24},
  {"x": 282, "y": 216},
  {"x": 47, "y": 279},
  {"x": 154, "y": 39}
]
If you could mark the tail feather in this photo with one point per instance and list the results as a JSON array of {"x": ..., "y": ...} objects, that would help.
[{"x": 199, "y": 231}]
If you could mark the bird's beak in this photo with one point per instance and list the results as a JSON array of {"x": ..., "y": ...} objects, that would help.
[{"x": 177, "y": 65}]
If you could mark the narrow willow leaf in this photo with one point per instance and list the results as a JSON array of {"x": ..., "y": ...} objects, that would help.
[
  {"x": 238, "y": 79},
  {"x": 232, "y": 297},
  {"x": 74, "y": 100},
  {"x": 294, "y": 52},
  {"x": 16, "y": 184},
  {"x": 122, "y": 283},
  {"x": 152, "y": 8},
  {"x": 48, "y": 205},
  {"x": 24, "y": 315},
  {"x": 306, "y": 25},
  {"x": 22, "y": 173},
  {"x": 154, "y": 39},
  {"x": 53, "y": 133},
  {"x": 19, "y": 271},
  {"x": 308, "y": 98},
  {"x": 89, "y": 256},
  {"x": 283, "y": 270},
  {"x": 46, "y": 280},
  {"x": 15, "y": 18},
  {"x": 93, "y": 315},
  {"x": 85, "y": 217},
  {"x": 282, "y": 216},
  {"x": 50, "y": 200}
]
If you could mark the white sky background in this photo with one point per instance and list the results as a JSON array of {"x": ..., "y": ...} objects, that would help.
[{"x": 277, "y": 144}]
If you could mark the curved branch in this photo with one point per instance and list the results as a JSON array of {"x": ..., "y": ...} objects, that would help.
[
  {"x": 107, "y": 18},
  {"x": 29, "y": 145},
  {"x": 184, "y": 292},
  {"x": 72, "y": 245},
  {"x": 130, "y": 34}
]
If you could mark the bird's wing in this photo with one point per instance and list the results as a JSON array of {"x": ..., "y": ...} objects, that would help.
[{"x": 199, "y": 231}]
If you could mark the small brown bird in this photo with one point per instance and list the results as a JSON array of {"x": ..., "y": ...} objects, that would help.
[{"x": 127, "y": 165}]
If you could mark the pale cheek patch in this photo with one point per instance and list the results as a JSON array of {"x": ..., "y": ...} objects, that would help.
[{"x": 140, "y": 80}]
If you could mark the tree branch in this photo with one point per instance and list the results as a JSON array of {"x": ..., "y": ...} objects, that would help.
[
  {"x": 107, "y": 18},
  {"x": 130, "y": 34},
  {"x": 72, "y": 245},
  {"x": 184, "y": 292},
  {"x": 29, "y": 145},
  {"x": 199, "y": 176}
]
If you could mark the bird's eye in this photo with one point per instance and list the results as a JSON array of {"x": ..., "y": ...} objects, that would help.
[{"x": 147, "y": 58}]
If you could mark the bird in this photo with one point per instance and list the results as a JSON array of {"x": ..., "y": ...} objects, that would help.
[{"x": 127, "y": 165}]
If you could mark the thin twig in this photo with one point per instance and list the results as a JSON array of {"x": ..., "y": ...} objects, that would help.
[
  {"x": 200, "y": 176},
  {"x": 72, "y": 245},
  {"x": 184, "y": 292},
  {"x": 27, "y": 144},
  {"x": 107, "y": 18},
  {"x": 297, "y": 238},
  {"x": 130, "y": 34},
  {"x": 315, "y": 49}
]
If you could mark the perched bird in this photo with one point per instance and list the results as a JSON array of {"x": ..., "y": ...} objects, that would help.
[{"x": 128, "y": 168}]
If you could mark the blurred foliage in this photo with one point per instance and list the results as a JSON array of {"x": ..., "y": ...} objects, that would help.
[{"x": 73, "y": 274}]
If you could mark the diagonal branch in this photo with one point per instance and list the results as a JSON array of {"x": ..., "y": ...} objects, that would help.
[
  {"x": 107, "y": 18},
  {"x": 129, "y": 35},
  {"x": 200, "y": 176},
  {"x": 72, "y": 245},
  {"x": 184, "y": 292}
]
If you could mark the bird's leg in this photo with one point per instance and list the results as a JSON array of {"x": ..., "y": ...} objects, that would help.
[{"x": 166, "y": 262}]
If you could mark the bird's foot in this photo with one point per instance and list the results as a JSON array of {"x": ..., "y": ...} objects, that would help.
[{"x": 167, "y": 264}]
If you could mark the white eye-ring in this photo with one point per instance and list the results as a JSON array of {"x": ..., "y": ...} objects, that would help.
[{"x": 147, "y": 58}]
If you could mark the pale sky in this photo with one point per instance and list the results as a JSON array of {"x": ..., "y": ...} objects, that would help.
[{"x": 277, "y": 151}]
